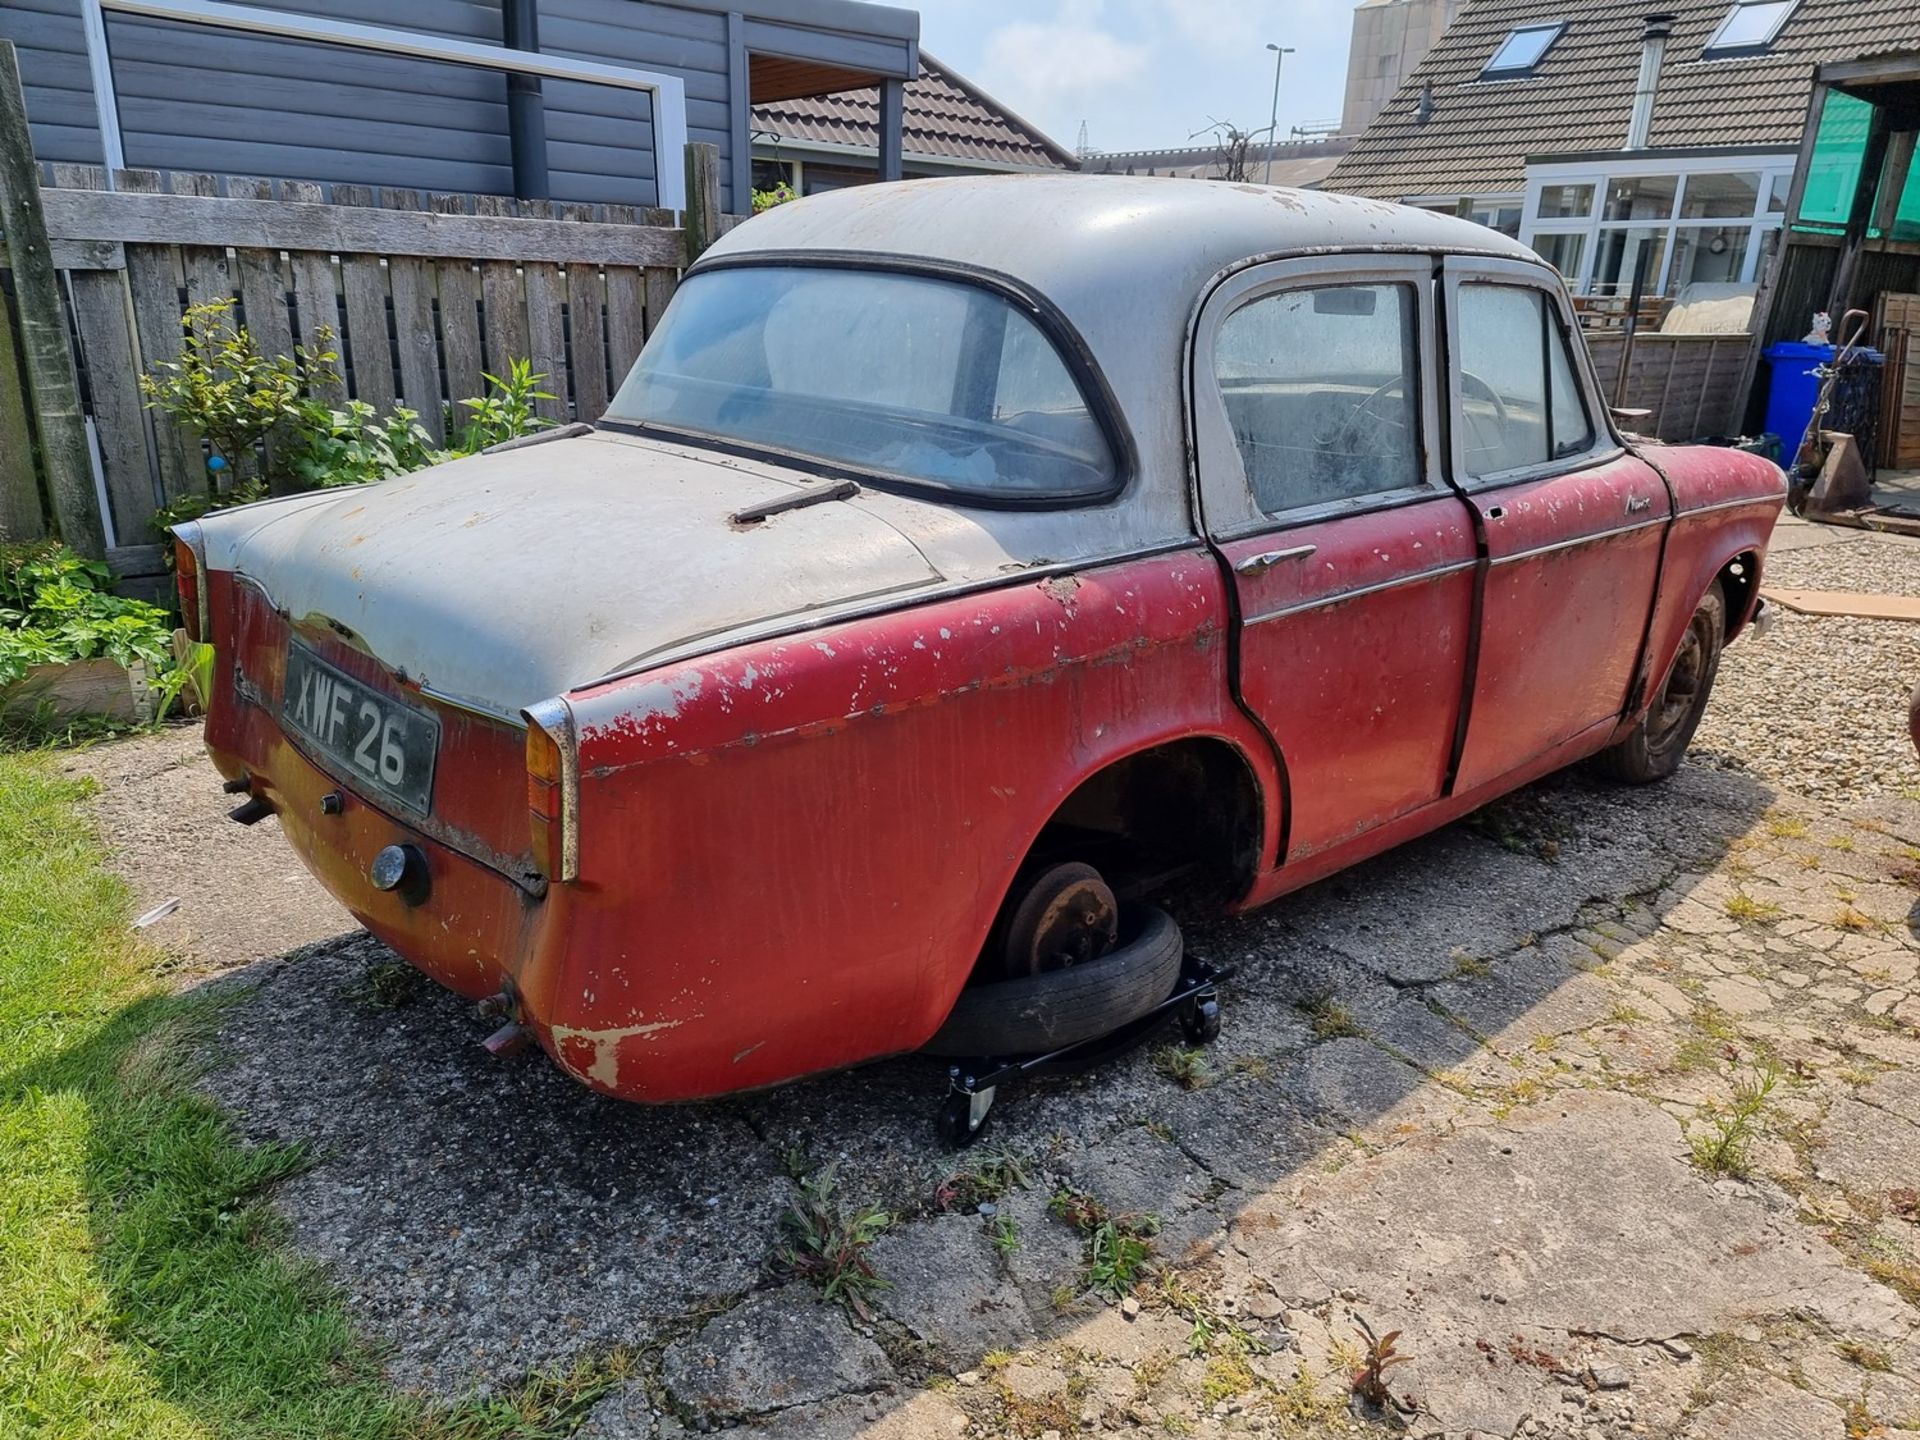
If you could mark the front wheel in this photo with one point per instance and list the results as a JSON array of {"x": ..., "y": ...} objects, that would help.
[{"x": 1655, "y": 747}]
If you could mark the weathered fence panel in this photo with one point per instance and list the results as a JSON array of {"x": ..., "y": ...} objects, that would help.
[
  {"x": 1691, "y": 383},
  {"x": 420, "y": 297}
]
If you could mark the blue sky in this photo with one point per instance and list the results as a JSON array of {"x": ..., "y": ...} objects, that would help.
[{"x": 1146, "y": 73}]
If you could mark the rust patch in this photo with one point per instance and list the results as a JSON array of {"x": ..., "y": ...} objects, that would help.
[{"x": 1062, "y": 589}]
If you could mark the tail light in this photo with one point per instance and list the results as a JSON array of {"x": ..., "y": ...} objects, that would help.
[
  {"x": 553, "y": 790},
  {"x": 191, "y": 581}
]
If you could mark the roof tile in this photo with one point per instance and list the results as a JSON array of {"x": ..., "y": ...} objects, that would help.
[{"x": 1482, "y": 131}]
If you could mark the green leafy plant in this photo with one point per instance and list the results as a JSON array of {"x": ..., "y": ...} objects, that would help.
[
  {"x": 56, "y": 608},
  {"x": 987, "y": 1180},
  {"x": 827, "y": 1245},
  {"x": 358, "y": 445},
  {"x": 1185, "y": 1065},
  {"x": 506, "y": 411},
  {"x": 1004, "y": 1231},
  {"x": 779, "y": 194},
  {"x": 1721, "y": 1146},
  {"x": 204, "y": 502},
  {"x": 1119, "y": 1247},
  {"x": 233, "y": 395}
]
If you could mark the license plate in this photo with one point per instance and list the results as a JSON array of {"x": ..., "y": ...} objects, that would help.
[{"x": 385, "y": 745}]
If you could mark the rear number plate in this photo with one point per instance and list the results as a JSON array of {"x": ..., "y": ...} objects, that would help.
[{"x": 387, "y": 746}]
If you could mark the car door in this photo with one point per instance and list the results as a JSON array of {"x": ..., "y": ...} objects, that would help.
[
  {"x": 1573, "y": 524},
  {"x": 1351, "y": 562}
]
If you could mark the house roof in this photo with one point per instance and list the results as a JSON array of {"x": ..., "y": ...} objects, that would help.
[
  {"x": 1579, "y": 99},
  {"x": 946, "y": 117}
]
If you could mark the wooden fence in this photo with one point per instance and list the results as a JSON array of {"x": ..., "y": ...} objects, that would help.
[
  {"x": 1690, "y": 383},
  {"x": 423, "y": 293}
]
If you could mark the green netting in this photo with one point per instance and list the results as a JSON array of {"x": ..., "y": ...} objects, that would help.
[{"x": 1840, "y": 149}]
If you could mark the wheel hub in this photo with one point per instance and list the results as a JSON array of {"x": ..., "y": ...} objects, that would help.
[{"x": 1068, "y": 917}]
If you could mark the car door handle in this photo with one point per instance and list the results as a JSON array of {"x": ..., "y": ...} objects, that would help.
[
  {"x": 1639, "y": 504},
  {"x": 1267, "y": 559}
]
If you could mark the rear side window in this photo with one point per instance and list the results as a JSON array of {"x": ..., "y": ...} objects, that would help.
[
  {"x": 1322, "y": 388},
  {"x": 1520, "y": 399},
  {"x": 908, "y": 376}
]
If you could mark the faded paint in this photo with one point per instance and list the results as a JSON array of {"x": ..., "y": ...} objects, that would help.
[{"x": 783, "y": 728}]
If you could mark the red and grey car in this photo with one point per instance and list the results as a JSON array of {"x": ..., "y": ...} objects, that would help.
[{"x": 959, "y": 556}]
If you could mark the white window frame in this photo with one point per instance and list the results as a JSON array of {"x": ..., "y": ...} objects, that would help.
[
  {"x": 1557, "y": 29},
  {"x": 1601, "y": 171},
  {"x": 1716, "y": 49},
  {"x": 668, "y": 92}
]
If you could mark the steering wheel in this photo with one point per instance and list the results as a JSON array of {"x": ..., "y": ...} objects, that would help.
[
  {"x": 1341, "y": 439},
  {"x": 1470, "y": 380}
]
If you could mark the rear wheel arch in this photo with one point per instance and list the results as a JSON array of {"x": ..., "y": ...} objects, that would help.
[{"x": 1193, "y": 802}]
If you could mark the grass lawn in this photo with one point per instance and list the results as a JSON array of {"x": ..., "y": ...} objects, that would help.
[{"x": 144, "y": 1291}]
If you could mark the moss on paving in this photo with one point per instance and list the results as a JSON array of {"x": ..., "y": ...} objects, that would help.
[{"x": 144, "y": 1291}]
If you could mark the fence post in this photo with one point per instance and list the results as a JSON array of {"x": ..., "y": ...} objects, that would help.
[
  {"x": 47, "y": 356},
  {"x": 21, "y": 516},
  {"x": 702, "y": 223}
]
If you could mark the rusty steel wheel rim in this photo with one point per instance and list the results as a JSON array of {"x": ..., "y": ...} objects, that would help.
[
  {"x": 1068, "y": 917},
  {"x": 1683, "y": 686}
]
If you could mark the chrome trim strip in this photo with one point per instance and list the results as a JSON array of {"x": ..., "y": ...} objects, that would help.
[
  {"x": 1597, "y": 537},
  {"x": 1739, "y": 504},
  {"x": 1321, "y": 602},
  {"x": 555, "y": 719}
]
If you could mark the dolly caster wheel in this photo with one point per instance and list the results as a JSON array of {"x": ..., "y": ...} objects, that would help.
[
  {"x": 1200, "y": 1019},
  {"x": 963, "y": 1116}
]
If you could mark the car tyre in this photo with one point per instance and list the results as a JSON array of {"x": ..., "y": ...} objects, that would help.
[
  {"x": 1656, "y": 746},
  {"x": 1036, "y": 1014}
]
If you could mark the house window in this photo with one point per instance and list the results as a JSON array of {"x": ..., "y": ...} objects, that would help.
[
  {"x": 1750, "y": 26},
  {"x": 1708, "y": 227},
  {"x": 1523, "y": 50},
  {"x": 1565, "y": 202}
]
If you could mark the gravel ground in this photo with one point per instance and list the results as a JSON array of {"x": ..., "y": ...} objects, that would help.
[{"x": 1819, "y": 705}]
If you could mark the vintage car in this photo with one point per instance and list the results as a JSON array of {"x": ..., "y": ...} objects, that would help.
[{"x": 959, "y": 556}]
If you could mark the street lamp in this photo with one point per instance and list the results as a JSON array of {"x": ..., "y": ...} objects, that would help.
[{"x": 1280, "y": 54}]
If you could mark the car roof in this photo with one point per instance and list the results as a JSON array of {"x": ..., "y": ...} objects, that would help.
[{"x": 1064, "y": 235}]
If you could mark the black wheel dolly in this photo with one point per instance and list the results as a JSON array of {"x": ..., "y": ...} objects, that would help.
[{"x": 1194, "y": 1003}]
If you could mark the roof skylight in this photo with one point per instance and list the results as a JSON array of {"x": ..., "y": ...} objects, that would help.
[
  {"x": 1522, "y": 50},
  {"x": 1751, "y": 25}
]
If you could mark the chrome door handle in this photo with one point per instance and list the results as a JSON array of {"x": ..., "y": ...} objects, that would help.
[
  {"x": 1638, "y": 504},
  {"x": 1267, "y": 559}
]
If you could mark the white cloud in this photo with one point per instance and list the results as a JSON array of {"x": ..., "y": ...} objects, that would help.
[{"x": 1066, "y": 58}]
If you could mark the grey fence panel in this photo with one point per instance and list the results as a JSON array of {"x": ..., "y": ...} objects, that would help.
[{"x": 419, "y": 294}]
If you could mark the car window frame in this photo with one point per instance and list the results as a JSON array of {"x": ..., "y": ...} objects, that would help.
[
  {"x": 1223, "y": 489},
  {"x": 1604, "y": 445},
  {"x": 1081, "y": 363}
]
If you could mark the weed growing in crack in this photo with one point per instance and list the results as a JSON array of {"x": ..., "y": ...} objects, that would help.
[
  {"x": 1867, "y": 1357},
  {"x": 986, "y": 1181},
  {"x": 1848, "y": 918},
  {"x": 1004, "y": 1231},
  {"x": 390, "y": 984},
  {"x": 1330, "y": 1019},
  {"x": 1722, "y": 1146},
  {"x": 1212, "y": 1331},
  {"x": 1119, "y": 1247},
  {"x": 1783, "y": 826},
  {"x": 1368, "y": 1378},
  {"x": 827, "y": 1245},
  {"x": 1744, "y": 908},
  {"x": 1185, "y": 1065},
  {"x": 1470, "y": 967}
]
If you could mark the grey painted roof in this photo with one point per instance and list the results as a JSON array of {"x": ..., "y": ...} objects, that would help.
[
  {"x": 945, "y": 115},
  {"x": 1481, "y": 132}
]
